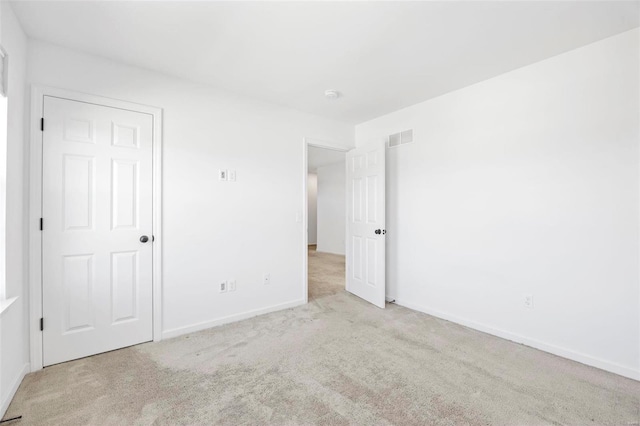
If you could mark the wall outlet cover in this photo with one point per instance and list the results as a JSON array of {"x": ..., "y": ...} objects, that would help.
[{"x": 528, "y": 300}]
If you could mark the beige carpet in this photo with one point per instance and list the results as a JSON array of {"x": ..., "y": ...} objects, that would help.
[
  {"x": 326, "y": 274},
  {"x": 335, "y": 361}
]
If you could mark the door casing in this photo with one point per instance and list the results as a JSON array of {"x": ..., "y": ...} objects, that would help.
[{"x": 35, "y": 209}]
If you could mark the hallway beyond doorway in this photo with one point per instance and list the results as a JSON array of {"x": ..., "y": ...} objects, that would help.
[{"x": 326, "y": 274}]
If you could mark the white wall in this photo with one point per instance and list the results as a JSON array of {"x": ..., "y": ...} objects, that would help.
[
  {"x": 331, "y": 208},
  {"x": 213, "y": 230},
  {"x": 14, "y": 346},
  {"x": 525, "y": 183},
  {"x": 312, "y": 208}
]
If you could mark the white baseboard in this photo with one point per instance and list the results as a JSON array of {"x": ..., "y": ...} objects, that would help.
[
  {"x": 543, "y": 346},
  {"x": 329, "y": 252},
  {"x": 174, "y": 332},
  {"x": 13, "y": 389}
]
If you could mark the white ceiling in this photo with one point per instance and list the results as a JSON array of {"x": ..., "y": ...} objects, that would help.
[
  {"x": 319, "y": 157},
  {"x": 382, "y": 56}
]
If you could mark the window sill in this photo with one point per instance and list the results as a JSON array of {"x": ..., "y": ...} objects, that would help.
[{"x": 6, "y": 303}]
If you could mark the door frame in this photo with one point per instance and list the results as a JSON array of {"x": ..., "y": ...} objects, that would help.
[
  {"x": 306, "y": 143},
  {"x": 35, "y": 208}
]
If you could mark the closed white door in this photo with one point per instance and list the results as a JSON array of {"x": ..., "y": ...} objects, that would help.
[
  {"x": 366, "y": 223},
  {"x": 97, "y": 223}
]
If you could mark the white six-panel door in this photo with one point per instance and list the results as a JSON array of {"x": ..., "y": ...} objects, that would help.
[
  {"x": 97, "y": 204},
  {"x": 366, "y": 223}
]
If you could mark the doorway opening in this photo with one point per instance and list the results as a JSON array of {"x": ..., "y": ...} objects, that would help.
[
  {"x": 326, "y": 221},
  {"x": 359, "y": 223}
]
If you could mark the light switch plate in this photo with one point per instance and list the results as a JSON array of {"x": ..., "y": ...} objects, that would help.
[
  {"x": 231, "y": 175},
  {"x": 528, "y": 300},
  {"x": 222, "y": 174}
]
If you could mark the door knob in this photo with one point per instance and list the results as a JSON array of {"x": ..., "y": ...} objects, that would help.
[
  {"x": 378, "y": 231},
  {"x": 144, "y": 239}
]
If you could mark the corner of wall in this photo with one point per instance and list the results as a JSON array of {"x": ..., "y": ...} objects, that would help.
[{"x": 6, "y": 400}]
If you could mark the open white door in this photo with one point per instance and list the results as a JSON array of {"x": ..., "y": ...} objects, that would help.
[
  {"x": 96, "y": 239},
  {"x": 366, "y": 223}
]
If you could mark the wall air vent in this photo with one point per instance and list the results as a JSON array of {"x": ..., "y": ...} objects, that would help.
[{"x": 400, "y": 138}]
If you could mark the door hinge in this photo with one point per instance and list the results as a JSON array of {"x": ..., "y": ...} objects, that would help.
[
  {"x": 41, "y": 224},
  {"x": 41, "y": 324},
  {"x": 42, "y": 124}
]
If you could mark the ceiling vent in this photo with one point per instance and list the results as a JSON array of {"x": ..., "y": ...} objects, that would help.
[{"x": 400, "y": 138}]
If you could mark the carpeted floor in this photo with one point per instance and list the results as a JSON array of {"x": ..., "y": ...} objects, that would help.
[
  {"x": 326, "y": 274},
  {"x": 337, "y": 360}
]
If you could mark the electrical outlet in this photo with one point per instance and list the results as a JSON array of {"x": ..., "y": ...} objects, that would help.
[
  {"x": 231, "y": 175},
  {"x": 223, "y": 287},
  {"x": 267, "y": 279},
  {"x": 232, "y": 285},
  {"x": 222, "y": 175},
  {"x": 528, "y": 300}
]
